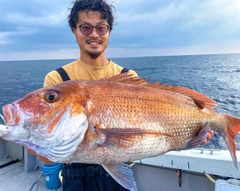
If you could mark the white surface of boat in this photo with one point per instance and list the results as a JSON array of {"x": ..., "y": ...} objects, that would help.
[{"x": 200, "y": 168}]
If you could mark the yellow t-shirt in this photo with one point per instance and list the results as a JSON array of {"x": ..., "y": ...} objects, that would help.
[{"x": 78, "y": 70}]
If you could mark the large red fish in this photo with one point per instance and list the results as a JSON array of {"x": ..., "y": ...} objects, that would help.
[{"x": 114, "y": 120}]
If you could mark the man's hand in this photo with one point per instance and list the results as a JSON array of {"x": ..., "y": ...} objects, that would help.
[
  {"x": 43, "y": 159},
  {"x": 209, "y": 136}
]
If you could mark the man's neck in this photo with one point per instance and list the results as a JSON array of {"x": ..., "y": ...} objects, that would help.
[{"x": 96, "y": 62}]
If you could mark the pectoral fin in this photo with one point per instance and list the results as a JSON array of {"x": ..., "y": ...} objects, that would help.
[
  {"x": 123, "y": 138},
  {"x": 123, "y": 174}
]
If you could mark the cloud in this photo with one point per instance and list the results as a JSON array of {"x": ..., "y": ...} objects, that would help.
[
  {"x": 132, "y": 51},
  {"x": 38, "y": 13},
  {"x": 214, "y": 47},
  {"x": 180, "y": 22},
  {"x": 52, "y": 19},
  {"x": 68, "y": 53},
  {"x": 151, "y": 27},
  {"x": 7, "y": 37},
  {"x": 34, "y": 25}
]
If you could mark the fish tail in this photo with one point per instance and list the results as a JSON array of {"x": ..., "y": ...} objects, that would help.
[{"x": 232, "y": 130}]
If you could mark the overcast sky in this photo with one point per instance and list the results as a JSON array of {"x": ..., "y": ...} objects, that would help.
[{"x": 38, "y": 29}]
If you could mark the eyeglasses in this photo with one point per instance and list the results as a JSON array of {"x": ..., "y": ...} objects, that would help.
[{"x": 87, "y": 29}]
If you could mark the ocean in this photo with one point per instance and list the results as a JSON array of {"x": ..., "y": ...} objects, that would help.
[{"x": 217, "y": 76}]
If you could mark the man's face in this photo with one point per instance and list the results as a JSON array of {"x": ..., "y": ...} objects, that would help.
[{"x": 93, "y": 44}]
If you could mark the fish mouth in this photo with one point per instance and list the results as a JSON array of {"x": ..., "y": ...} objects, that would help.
[
  {"x": 11, "y": 132},
  {"x": 58, "y": 145},
  {"x": 12, "y": 114}
]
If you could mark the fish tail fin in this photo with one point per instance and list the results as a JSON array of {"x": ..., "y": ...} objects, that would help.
[{"x": 232, "y": 130}]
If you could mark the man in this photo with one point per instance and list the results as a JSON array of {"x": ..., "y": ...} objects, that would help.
[{"x": 91, "y": 21}]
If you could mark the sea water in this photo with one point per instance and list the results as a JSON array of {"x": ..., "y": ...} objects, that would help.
[{"x": 217, "y": 76}]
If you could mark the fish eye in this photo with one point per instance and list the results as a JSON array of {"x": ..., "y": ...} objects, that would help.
[{"x": 51, "y": 97}]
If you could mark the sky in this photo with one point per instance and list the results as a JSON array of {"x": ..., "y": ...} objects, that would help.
[{"x": 38, "y": 29}]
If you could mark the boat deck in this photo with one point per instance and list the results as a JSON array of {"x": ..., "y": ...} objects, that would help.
[
  {"x": 156, "y": 173},
  {"x": 14, "y": 178}
]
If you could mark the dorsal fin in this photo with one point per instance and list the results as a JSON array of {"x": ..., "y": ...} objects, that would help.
[
  {"x": 199, "y": 98},
  {"x": 128, "y": 79}
]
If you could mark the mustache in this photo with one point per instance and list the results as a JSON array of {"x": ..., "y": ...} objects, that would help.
[{"x": 94, "y": 40}]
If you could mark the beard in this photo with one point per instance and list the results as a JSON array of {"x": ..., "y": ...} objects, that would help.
[{"x": 94, "y": 55}]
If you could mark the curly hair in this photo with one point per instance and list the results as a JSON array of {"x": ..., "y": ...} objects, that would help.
[{"x": 105, "y": 9}]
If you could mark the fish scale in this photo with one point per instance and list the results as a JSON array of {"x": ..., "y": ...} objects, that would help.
[{"x": 114, "y": 120}]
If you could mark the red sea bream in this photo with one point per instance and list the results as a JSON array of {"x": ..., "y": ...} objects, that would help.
[{"x": 114, "y": 120}]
